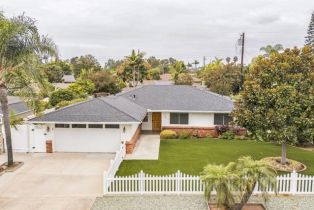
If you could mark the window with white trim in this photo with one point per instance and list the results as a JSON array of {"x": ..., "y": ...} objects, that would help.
[
  {"x": 78, "y": 125},
  {"x": 222, "y": 119},
  {"x": 95, "y": 125},
  {"x": 112, "y": 126},
  {"x": 179, "y": 118},
  {"x": 59, "y": 125}
]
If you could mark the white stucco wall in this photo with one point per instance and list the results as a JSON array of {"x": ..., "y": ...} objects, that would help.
[
  {"x": 129, "y": 131},
  {"x": 148, "y": 125},
  {"x": 195, "y": 119}
]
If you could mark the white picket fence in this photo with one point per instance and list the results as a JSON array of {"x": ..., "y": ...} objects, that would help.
[
  {"x": 180, "y": 183},
  {"x": 114, "y": 166}
]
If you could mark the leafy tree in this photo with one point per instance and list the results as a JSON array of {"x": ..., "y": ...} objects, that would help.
[
  {"x": 65, "y": 66},
  {"x": 61, "y": 95},
  {"x": 277, "y": 101},
  {"x": 153, "y": 74},
  {"x": 106, "y": 82},
  {"x": 112, "y": 64},
  {"x": 184, "y": 79},
  {"x": 134, "y": 68},
  {"x": 84, "y": 62},
  {"x": 153, "y": 61},
  {"x": 22, "y": 49},
  {"x": 268, "y": 50},
  {"x": 177, "y": 68},
  {"x": 235, "y": 182},
  {"x": 309, "y": 39},
  {"x": 53, "y": 72},
  {"x": 82, "y": 88},
  {"x": 222, "y": 78}
]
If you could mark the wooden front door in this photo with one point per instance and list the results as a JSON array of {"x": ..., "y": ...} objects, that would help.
[{"x": 156, "y": 121}]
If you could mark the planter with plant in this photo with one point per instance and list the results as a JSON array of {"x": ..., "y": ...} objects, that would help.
[{"x": 234, "y": 183}]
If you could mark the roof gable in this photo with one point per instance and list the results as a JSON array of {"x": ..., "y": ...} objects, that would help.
[
  {"x": 94, "y": 110},
  {"x": 178, "y": 97}
]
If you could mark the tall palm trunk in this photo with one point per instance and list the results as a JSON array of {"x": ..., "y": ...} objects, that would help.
[
  {"x": 6, "y": 121},
  {"x": 133, "y": 82},
  {"x": 245, "y": 198}
]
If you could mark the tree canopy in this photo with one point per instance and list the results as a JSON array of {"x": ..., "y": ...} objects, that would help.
[
  {"x": 309, "y": 39},
  {"x": 277, "y": 101}
]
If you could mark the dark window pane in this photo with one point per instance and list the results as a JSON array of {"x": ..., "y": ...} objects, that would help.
[
  {"x": 174, "y": 118},
  {"x": 227, "y": 119},
  {"x": 112, "y": 126},
  {"x": 184, "y": 118},
  {"x": 218, "y": 119},
  {"x": 62, "y": 125},
  {"x": 95, "y": 126},
  {"x": 78, "y": 125}
]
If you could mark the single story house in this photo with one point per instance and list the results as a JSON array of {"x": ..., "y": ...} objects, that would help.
[
  {"x": 20, "y": 109},
  {"x": 102, "y": 124}
]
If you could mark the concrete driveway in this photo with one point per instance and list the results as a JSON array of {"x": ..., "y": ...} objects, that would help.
[{"x": 53, "y": 181}]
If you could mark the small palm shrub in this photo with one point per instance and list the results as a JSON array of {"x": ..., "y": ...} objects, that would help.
[
  {"x": 184, "y": 134},
  {"x": 234, "y": 183},
  {"x": 168, "y": 134}
]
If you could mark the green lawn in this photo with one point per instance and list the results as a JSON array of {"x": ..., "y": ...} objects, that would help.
[{"x": 190, "y": 156}]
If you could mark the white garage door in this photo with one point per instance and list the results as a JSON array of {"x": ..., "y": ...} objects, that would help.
[{"x": 86, "y": 140}]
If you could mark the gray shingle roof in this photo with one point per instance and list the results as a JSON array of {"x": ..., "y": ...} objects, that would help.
[
  {"x": 106, "y": 109},
  {"x": 178, "y": 97},
  {"x": 16, "y": 105}
]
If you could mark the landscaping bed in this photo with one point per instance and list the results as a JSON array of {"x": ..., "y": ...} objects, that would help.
[{"x": 190, "y": 156}]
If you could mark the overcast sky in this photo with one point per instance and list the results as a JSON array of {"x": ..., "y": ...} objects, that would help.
[{"x": 184, "y": 29}]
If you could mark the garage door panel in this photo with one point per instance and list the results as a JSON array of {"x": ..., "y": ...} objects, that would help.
[{"x": 86, "y": 140}]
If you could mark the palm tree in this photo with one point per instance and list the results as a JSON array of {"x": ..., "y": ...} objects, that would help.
[
  {"x": 195, "y": 62},
  {"x": 235, "y": 183},
  {"x": 221, "y": 179},
  {"x": 21, "y": 49},
  {"x": 271, "y": 49},
  {"x": 134, "y": 60}
]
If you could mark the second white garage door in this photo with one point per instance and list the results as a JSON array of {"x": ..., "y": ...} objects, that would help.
[{"x": 86, "y": 140}]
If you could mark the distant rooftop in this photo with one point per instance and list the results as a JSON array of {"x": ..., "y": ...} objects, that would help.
[{"x": 68, "y": 79}]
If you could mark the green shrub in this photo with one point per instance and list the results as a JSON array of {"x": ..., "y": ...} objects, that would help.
[
  {"x": 168, "y": 134},
  {"x": 153, "y": 74},
  {"x": 67, "y": 103},
  {"x": 82, "y": 88},
  {"x": 227, "y": 135},
  {"x": 61, "y": 95},
  {"x": 184, "y": 134},
  {"x": 184, "y": 79}
]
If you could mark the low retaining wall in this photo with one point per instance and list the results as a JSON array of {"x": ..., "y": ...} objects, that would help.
[
  {"x": 202, "y": 132},
  {"x": 130, "y": 145},
  {"x": 199, "y": 132}
]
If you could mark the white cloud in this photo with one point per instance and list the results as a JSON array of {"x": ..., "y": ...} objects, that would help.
[{"x": 188, "y": 29}]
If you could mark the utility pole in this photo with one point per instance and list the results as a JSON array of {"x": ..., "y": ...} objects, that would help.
[
  {"x": 204, "y": 59},
  {"x": 242, "y": 38}
]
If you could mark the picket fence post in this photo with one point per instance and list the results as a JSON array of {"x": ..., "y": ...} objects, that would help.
[
  {"x": 105, "y": 182},
  {"x": 141, "y": 182},
  {"x": 178, "y": 182},
  {"x": 294, "y": 183}
]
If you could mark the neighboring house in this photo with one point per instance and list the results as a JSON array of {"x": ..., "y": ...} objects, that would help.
[
  {"x": 19, "y": 108},
  {"x": 102, "y": 124},
  {"x": 67, "y": 80}
]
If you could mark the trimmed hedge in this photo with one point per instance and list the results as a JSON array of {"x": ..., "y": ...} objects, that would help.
[{"x": 168, "y": 134}]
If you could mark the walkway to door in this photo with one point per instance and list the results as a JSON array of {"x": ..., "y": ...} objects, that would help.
[{"x": 146, "y": 148}]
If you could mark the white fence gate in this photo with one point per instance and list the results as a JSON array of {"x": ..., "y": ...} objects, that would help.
[{"x": 180, "y": 183}]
